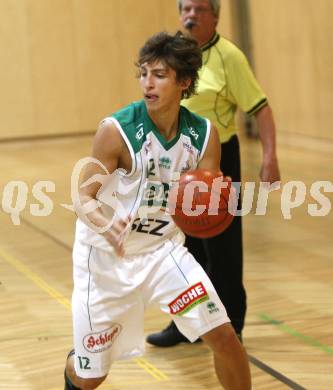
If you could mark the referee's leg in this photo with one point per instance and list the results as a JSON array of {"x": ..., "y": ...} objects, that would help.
[{"x": 225, "y": 252}]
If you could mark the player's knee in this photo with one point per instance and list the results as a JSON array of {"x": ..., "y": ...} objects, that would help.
[
  {"x": 227, "y": 340},
  {"x": 222, "y": 339}
]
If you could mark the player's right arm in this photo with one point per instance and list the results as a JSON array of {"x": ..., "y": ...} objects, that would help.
[
  {"x": 212, "y": 156},
  {"x": 109, "y": 149}
]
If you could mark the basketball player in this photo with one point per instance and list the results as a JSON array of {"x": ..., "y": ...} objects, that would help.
[{"x": 141, "y": 261}]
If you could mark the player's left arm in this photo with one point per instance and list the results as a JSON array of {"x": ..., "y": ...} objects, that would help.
[
  {"x": 270, "y": 169},
  {"x": 212, "y": 155}
]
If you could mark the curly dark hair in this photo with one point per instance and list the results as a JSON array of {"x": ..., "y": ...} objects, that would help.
[{"x": 179, "y": 52}]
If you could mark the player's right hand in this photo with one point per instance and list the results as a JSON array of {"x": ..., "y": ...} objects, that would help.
[{"x": 117, "y": 233}]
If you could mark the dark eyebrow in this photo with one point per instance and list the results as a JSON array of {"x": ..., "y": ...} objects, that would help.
[
  {"x": 160, "y": 70},
  {"x": 155, "y": 70}
]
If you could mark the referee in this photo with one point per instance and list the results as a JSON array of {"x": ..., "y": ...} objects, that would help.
[{"x": 226, "y": 82}]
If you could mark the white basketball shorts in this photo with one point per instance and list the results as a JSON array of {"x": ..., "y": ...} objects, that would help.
[{"x": 111, "y": 293}]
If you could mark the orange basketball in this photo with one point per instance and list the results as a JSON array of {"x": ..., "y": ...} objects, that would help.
[{"x": 199, "y": 203}]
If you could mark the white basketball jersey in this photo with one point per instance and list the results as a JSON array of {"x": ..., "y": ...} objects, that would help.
[{"x": 156, "y": 164}]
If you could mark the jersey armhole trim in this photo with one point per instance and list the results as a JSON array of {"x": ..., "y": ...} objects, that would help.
[
  {"x": 128, "y": 144},
  {"x": 263, "y": 102},
  {"x": 204, "y": 146}
]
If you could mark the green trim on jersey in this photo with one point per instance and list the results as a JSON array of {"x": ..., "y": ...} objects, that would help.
[
  {"x": 130, "y": 120},
  {"x": 226, "y": 82},
  {"x": 136, "y": 124}
]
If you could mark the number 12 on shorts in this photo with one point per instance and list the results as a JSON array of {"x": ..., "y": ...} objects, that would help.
[{"x": 84, "y": 363}]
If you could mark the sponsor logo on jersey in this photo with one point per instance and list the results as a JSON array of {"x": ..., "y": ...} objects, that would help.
[
  {"x": 155, "y": 195},
  {"x": 212, "y": 308},
  {"x": 101, "y": 341},
  {"x": 188, "y": 147},
  {"x": 194, "y": 134},
  {"x": 139, "y": 134},
  {"x": 186, "y": 167},
  {"x": 187, "y": 300},
  {"x": 150, "y": 226},
  {"x": 164, "y": 162}
]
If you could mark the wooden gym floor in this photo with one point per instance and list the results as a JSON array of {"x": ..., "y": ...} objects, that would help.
[{"x": 288, "y": 276}]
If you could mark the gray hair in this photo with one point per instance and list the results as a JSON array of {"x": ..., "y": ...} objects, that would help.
[{"x": 215, "y": 5}]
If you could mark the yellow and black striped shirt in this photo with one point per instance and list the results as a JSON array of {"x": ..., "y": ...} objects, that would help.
[{"x": 226, "y": 82}]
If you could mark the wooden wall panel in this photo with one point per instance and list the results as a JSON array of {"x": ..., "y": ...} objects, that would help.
[
  {"x": 95, "y": 30},
  {"x": 294, "y": 62},
  {"x": 17, "y": 112},
  {"x": 52, "y": 61},
  {"x": 67, "y": 63},
  {"x": 225, "y": 26}
]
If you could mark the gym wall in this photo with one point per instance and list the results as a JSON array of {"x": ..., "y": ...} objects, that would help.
[
  {"x": 64, "y": 64},
  {"x": 292, "y": 50},
  {"x": 67, "y": 63}
]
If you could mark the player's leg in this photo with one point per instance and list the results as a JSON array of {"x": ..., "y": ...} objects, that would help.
[
  {"x": 231, "y": 363},
  {"x": 170, "y": 336},
  {"x": 104, "y": 308},
  {"x": 226, "y": 272},
  {"x": 81, "y": 364},
  {"x": 184, "y": 290},
  {"x": 74, "y": 382}
]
